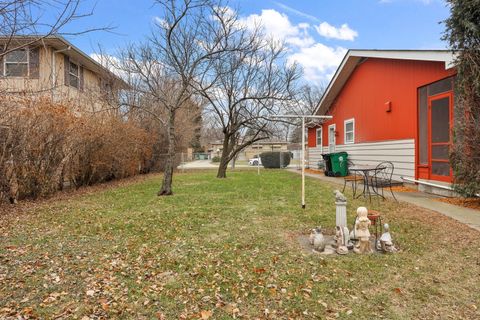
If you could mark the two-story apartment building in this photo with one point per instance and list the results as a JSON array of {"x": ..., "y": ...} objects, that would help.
[{"x": 55, "y": 68}]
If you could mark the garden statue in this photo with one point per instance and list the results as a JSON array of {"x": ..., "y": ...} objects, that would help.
[
  {"x": 342, "y": 238},
  {"x": 386, "y": 241},
  {"x": 361, "y": 231},
  {"x": 339, "y": 197},
  {"x": 317, "y": 240}
]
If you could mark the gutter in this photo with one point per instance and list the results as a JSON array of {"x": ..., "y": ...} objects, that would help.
[{"x": 432, "y": 185}]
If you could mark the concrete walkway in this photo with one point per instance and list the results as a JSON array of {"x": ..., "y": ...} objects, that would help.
[{"x": 470, "y": 217}]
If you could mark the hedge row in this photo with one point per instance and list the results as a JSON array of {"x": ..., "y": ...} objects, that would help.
[{"x": 45, "y": 146}]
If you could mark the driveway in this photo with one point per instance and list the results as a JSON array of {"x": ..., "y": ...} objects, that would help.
[{"x": 198, "y": 164}]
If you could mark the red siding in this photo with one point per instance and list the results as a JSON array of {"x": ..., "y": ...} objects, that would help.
[{"x": 370, "y": 86}]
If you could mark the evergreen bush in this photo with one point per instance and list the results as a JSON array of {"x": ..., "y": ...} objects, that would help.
[{"x": 275, "y": 159}]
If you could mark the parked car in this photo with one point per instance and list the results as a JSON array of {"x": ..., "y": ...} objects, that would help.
[{"x": 255, "y": 161}]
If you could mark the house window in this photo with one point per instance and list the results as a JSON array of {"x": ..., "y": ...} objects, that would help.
[
  {"x": 319, "y": 137},
  {"x": 16, "y": 63},
  {"x": 349, "y": 128},
  {"x": 74, "y": 75}
]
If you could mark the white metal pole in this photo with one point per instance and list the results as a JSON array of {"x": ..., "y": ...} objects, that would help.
[
  {"x": 302, "y": 165},
  {"x": 303, "y": 162},
  {"x": 258, "y": 164}
]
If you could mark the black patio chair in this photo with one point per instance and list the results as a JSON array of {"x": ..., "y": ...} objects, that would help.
[
  {"x": 382, "y": 178},
  {"x": 352, "y": 178}
]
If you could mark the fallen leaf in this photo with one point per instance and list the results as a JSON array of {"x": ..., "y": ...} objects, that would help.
[
  {"x": 259, "y": 270},
  {"x": 206, "y": 314}
]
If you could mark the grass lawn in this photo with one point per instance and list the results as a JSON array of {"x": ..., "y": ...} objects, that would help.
[{"x": 228, "y": 248}]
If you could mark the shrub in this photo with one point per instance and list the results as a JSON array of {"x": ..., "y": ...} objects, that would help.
[
  {"x": 463, "y": 34},
  {"x": 216, "y": 159},
  {"x": 275, "y": 159},
  {"x": 45, "y": 145}
]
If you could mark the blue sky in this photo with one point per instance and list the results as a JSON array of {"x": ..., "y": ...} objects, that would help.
[{"x": 317, "y": 32}]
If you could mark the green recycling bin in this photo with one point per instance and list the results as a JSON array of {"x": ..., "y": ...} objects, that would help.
[{"x": 339, "y": 164}]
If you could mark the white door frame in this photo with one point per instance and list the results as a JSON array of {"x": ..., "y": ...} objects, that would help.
[{"x": 331, "y": 146}]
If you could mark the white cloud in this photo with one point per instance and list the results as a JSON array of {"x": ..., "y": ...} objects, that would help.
[
  {"x": 278, "y": 26},
  {"x": 343, "y": 33},
  {"x": 160, "y": 22},
  {"x": 319, "y": 61}
]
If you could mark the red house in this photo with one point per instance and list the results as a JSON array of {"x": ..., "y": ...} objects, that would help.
[{"x": 390, "y": 105}]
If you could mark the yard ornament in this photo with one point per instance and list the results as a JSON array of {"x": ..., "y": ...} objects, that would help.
[
  {"x": 361, "y": 231},
  {"x": 317, "y": 239},
  {"x": 340, "y": 209},
  {"x": 386, "y": 241},
  {"x": 339, "y": 197},
  {"x": 342, "y": 238}
]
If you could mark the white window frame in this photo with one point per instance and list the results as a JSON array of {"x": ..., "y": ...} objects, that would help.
[
  {"x": 330, "y": 149},
  {"x": 321, "y": 137},
  {"x": 5, "y": 62},
  {"x": 70, "y": 62},
  {"x": 352, "y": 120}
]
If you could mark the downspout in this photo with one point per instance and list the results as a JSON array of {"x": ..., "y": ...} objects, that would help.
[
  {"x": 53, "y": 71},
  {"x": 432, "y": 185}
]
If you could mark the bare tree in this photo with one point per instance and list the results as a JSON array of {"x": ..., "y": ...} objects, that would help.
[
  {"x": 307, "y": 100},
  {"x": 35, "y": 20},
  {"x": 249, "y": 85},
  {"x": 185, "y": 42}
]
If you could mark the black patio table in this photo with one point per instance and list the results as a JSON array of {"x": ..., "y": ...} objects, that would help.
[{"x": 365, "y": 170}]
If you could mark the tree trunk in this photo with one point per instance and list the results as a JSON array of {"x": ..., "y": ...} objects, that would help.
[
  {"x": 166, "y": 189},
  {"x": 222, "y": 168}
]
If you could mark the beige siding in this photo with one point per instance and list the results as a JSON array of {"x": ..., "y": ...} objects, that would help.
[
  {"x": 400, "y": 152},
  {"x": 90, "y": 98}
]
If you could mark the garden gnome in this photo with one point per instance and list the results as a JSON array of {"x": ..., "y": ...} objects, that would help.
[
  {"x": 342, "y": 238},
  {"x": 317, "y": 240},
  {"x": 386, "y": 241},
  {"x": 361, "y": 231}
]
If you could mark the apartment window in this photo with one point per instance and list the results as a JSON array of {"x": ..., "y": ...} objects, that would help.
[
  {"x": 319, "y": 137},
  {"x": 349, "y": 128},
  {"x": 74, "y": 75},
  {"x": 16, "y": 63}
]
